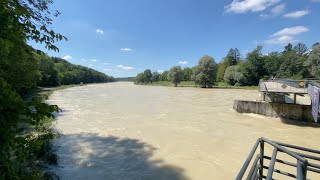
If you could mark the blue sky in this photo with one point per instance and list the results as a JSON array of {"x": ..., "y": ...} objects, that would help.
[{"x": 123, "y": 37}]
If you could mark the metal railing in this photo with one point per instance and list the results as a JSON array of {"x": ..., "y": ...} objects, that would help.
[
  {"x": 284, "y": 86},
  {"x": 256, "y": 171}
]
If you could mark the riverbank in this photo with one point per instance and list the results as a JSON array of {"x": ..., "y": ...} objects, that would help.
[
  {"x": 41, "y": 156},
  {"x": 219, "y": 85},
  {"x": 45, "y": 92}
]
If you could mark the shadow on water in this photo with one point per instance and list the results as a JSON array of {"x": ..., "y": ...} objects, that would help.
[
  {"x": 300, "y": 123},
  {"x": 90, "y": 156}
]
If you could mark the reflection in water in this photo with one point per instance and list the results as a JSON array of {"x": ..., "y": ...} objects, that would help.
[{"x": 124, "y": 131}]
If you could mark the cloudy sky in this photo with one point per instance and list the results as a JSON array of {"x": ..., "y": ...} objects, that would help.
[{"x": 124, "y": 37}]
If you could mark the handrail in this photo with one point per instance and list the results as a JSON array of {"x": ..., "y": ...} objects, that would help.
[
  {"x": 247, "y": 162},
  {"x": 301, "y": 165},
  {"x": 285, "y": 150}
]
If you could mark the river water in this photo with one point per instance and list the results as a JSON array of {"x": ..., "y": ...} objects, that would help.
[{"x": 126, "y": 131}]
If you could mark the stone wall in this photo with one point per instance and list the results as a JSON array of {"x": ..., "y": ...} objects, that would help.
[{"x": 288, "y": 111}]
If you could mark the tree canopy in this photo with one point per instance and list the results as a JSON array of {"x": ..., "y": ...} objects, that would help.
[
  {"x": 205, "y": 73},
  {"x": 175, "y": 75}
]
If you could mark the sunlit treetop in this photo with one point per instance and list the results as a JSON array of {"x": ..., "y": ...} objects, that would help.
[{"x": 29, "y": 20}]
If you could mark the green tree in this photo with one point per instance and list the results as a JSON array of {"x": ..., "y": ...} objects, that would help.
[
  {"x": 164, "y": 76},
  {"x": 19, "y": 68},
  {"x": 253, "y": 67},
  {"x": 187, "y": 74},
  {"x": 300, "y": 49},
  {"x": 205, "y": 73},
  {"x": 272, "y": 63},
  {"x": 147, "y": 74},
  {"x": 155, "y": 77},
  {"x": 292, "y": 65},
  {"x": 232, "y": 58},
  {"x": 49, "y": 74},
  {"x": 222, "y": 66},
  {"x": 22, "y": 20},
  {"x": 313, "y": 61},
  {"x": 175, "y": 75},
  {"x": 234, "y": 76}
]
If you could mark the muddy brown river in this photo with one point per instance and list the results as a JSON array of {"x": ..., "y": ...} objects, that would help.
[{"x": 125, "y": 131}]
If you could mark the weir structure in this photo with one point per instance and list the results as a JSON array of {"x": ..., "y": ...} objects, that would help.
[
  {"x": 304, "y": 160},
  {"x": 274, "y": 94}
]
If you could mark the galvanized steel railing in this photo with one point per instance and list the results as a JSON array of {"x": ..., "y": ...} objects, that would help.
[
  {"x": 257, "y": 169},
  {"x": 284, "y": 86}
]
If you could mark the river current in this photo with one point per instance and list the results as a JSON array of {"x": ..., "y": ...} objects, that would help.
[{"x": 126, "y": 131}]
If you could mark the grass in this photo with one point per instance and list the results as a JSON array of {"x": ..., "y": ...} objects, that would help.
[{"x": 221, "y": 85}]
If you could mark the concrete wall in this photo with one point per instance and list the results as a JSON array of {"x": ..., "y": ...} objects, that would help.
[{"x": 288, "y": 111}]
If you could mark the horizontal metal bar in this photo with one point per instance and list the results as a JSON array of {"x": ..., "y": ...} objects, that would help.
[
  {"x": 246, "y": 164},
  {"x": 295, "y": 165},
  {"x": 313, "y": 170},
  {"x": 298, "y": 147},
  {"x": 280, "y": 148},
  {"x": 272, "y": 163},
  {"x": 282, "y": 172},
  {"x": 264, "y": 177},
  {"x": 309, "y": 156},
  {"x": 314, "y": 165}
]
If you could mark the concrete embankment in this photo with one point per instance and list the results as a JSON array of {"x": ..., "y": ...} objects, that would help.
[{"x": 295, "y": 112}]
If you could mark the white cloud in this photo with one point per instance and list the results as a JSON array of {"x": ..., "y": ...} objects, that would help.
[
  {"x": 243, "y": 6},
  {"x": 286, "y": 35},
  {"x": 67, "y": 57},
  {"x": 297, "y": 14},
  {"x": 100, "y": 32},
  {"x": 183, "y": 62},
  {"x": 278, "y": 9},
  {"x": 126, "y": 49},
  {"x": 280, "y": 40},
  {"x": 160, "y": 71},
  {"x": 291, "y": 31},
  {"x": 125, "y": 67},
  {"x": 275, "y": 11},
  {"x": 107, "y": 70},
  {"x": 94, "y": 60}
]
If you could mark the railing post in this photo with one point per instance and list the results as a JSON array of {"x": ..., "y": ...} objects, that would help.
[
  {"x": 272, "y": 163},
  {"x": 261, "y": 159},
  {"x": 301, "y": 170}
]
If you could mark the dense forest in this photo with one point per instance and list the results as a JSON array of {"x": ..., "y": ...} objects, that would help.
[
  {"x": 25, "y": 131},
  {"x": 294, "y": 62}
]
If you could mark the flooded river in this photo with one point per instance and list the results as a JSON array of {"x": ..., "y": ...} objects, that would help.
[{"x": 125, "y": 131}]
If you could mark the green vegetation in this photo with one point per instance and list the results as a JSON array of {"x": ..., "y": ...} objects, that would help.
[
  {"x": 294, "y": 62},
  {"x": 74, "y": 74},
  {"x": 130, "y": 79},
  {"x": 25, "y": 119},
  {"x": 204, "y": 74},
  {"x": 175, "y": 75}
]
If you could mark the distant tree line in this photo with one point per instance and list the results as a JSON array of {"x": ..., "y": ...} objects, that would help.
[
  {"x": 294, "y": 62},
  {"x": 131, "y": 79}
]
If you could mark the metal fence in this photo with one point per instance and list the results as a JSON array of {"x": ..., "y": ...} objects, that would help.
[{"x": 302, "y": 164}]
